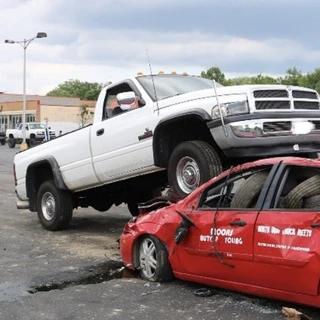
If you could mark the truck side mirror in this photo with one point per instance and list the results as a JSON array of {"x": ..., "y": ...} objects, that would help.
[{"x": 126, "y": 97}]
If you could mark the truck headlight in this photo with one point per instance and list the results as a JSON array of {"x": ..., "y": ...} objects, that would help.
[{"x": 229, "y": 109}]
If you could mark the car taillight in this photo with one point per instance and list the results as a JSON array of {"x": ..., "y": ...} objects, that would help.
[{"x": 14, "y": 174}]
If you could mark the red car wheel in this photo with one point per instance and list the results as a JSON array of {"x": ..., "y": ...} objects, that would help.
[{"x": 153, "y": 260}]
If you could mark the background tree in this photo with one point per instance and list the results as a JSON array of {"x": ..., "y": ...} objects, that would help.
[
  {"x": 214, "y": 73},
  {"x": 78, "y": 89},
  {"x": 293, "y": 77},
  {"x": 85, "y": 115}
]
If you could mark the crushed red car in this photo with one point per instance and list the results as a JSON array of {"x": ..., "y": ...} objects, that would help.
[{"x": 255, "y": 229}]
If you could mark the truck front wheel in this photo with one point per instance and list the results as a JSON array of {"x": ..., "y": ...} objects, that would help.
[
  {"x": 12, "y": 142},
  {"x": 191, "y": 164},
  {"x": 54, "y": 207}
]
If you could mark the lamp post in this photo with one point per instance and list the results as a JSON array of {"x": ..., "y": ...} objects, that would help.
[{"x": 24, "y": 44}]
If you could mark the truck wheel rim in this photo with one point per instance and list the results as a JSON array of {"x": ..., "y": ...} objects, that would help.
[
  {"x": 48, "y": 206},
  {"x": 188, "y": 175},
  {"x": 148, "y": 258}
]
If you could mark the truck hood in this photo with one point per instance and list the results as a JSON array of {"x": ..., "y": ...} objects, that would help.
[{"x": 222, "y": 91}]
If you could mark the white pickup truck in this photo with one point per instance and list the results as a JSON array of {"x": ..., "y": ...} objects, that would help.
[
  {"x": 35, "y": 132},
  {"x": 153, "y": 131}
]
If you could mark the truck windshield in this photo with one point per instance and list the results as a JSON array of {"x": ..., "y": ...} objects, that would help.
[
  {"x": 167, "y": 86},
  {"x": 35, "y": 126}
]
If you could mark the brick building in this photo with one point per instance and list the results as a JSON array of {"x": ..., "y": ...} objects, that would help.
[{"x": 61, "y": 113}]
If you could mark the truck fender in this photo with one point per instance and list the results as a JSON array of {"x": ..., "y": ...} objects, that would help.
[
  {"x": 199, "y": 114},
  {"x": 58, "y": 179},
  {"x": 33, "y": 181}
]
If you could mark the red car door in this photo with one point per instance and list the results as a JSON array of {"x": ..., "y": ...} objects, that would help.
[
  {"x": 222, "y": 249},
  {"x": 287, "y": 239},
  {"x": 220, "y": 245}
]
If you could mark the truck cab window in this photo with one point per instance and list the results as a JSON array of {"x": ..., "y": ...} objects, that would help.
[{"x": 112, "y": 107}]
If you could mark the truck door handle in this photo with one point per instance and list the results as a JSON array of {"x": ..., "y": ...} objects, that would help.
[
  {"x": 239, "y": 223},
  {"x": 100, "y": 132},
  {"x": 315, "y": 225}
]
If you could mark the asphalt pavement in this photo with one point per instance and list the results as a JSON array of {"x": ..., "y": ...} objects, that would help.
[{"x": 78, "y": 274}]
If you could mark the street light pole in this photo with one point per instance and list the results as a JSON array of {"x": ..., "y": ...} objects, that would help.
[{"x": 24, "y": 44}]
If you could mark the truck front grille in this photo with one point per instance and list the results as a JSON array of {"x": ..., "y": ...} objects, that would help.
[
  {"x": 304, "y": 94},
  {"x": 272, "y": 105},
  {"x": 282, "y": 99},
  {"x": 306, "y": 105},
  {"x": 271, "y": 94}
]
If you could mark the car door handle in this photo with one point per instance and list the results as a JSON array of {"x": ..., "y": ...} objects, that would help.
[
  {"x": 238, "y": 223},
  {"x": 315, "y": 225},
  {"x": 100, "y": 132}
]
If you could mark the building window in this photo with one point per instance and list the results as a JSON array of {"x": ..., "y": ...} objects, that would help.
[
  {"x": 14, "y": 121},
  {"x": 30, "y": 118},
  {"x": 3, "y": 123}
]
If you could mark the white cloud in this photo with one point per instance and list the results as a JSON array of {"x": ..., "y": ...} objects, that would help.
[{"x": 83, "y": 43}]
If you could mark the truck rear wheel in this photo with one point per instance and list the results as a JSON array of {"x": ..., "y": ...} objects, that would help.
[
  {"x": 3, "y": 142},
  {"x": 191, "y": 164},
  {"x": 12, "y": 142},
  {"x": 54, "y": 207}
]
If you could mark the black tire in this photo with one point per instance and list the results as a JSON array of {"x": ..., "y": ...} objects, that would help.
[
  {"x": 3, "y": 142},
  {"x": 307, "y": 188},
  {"x": 312, "y": 202},
  {"x": 12, "y": 142},
  {"x": 145, "y": 196},
  {"x": 54, "y": 207},
  {"x": 153, "y": 260},
  {"x": 199, "y": 159},
  {"x": 247, "y": 194},
  {"x": 32, "y": 142}
]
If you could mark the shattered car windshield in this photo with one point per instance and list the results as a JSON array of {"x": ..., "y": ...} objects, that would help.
[{"x": 166, "y": 86}]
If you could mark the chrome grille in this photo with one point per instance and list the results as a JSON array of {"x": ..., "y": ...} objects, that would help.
[
  {"x": 276, "y": 126},
  {"x": 306, "y": 105},
  {"x": 270, "y": 94},
  {"x": 304, "y": 94},
  {"x": 272, "y": 105},
  {"x": 282, "y": 99}
]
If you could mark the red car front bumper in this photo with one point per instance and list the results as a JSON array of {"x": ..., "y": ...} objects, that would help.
[{"x": 126, "y": 249}]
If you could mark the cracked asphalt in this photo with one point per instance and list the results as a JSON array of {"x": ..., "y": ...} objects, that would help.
[{"x": 77, "y": 273}]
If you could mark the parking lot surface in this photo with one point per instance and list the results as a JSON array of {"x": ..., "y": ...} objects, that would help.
[{"x": 78, "y": 274}]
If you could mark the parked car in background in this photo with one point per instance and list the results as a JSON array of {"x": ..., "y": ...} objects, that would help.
[
  {"x": 35, "y": 133},
  {"x": 255, "y": 229}
]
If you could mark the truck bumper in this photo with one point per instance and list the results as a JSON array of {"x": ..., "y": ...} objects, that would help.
[
  {"x": 22, "y": 204},
  {"x": 266, "y": 137}
]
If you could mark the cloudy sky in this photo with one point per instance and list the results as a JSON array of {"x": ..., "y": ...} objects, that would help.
[{"x": 106, "y": 40}]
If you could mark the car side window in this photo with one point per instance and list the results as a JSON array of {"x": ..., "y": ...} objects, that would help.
[
  {"x": 299, "y": 188},
  {"x": 239, "y": 191},
  {"x": 111, "y": 104}
]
